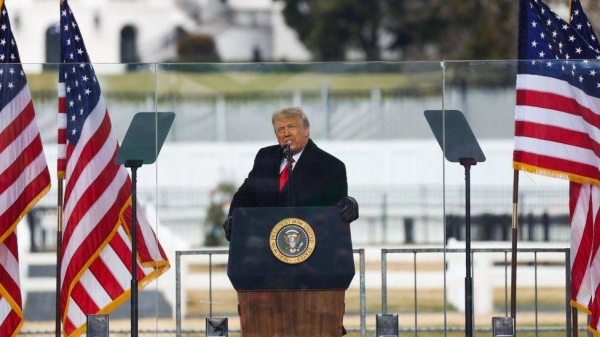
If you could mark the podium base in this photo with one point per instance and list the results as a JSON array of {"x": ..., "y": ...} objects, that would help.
[{"x": 291, "y": 313}]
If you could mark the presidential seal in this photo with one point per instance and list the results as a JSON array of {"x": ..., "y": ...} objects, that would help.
[{"x": 292, "y": 240}]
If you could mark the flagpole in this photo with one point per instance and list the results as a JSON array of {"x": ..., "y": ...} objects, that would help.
[
  {"x": 58, "y": 251},
  {"x": 574, "y": 321},
  {"x": 513, "y": 262}
]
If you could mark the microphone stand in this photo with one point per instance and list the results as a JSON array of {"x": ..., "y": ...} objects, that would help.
[
  {"x": 287, "y": 153},
  {"x": 289, "y": 164}
]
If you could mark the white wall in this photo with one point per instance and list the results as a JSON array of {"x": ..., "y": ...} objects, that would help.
[
  {"x": 238, "y": 43},
  {"x": 153, "y": 20},
  {"x": 368, "y": 163}
]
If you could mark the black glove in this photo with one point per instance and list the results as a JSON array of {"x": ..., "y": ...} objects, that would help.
[
  {"x": 227, "y": 227},
  {"x": 349, "y": 209}
]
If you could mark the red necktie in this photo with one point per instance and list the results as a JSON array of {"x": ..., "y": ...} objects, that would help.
[{"x": 284, "y": 175}]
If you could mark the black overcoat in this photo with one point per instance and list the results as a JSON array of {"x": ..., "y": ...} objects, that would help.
[{"x": 318, "y": 179}]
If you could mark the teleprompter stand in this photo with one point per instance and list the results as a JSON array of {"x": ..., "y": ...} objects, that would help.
[
  {"x": 142, "y": 143},
  {"x": 459, "y": 145}
]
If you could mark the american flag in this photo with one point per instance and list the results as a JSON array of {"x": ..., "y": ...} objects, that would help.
[
  {"x": 24, "y": 175},
  {"x": 584, "y": 205},
  {"x": 556, "y": 98},
  {"x": 556, "y": 124},
  {"x": 96, "y": 250}
]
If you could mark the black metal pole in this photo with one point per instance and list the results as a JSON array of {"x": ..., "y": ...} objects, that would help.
[
  {"x": 58, "y": 317},
  {"x": 134, "y": 165},
  {"x": 467, "y": 163},
  {"x": 513, "y": 260},
  {"x": 289, "y": 183}
]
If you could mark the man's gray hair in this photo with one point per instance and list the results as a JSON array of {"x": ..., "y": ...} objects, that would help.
[{"x": 290, "y": 112}]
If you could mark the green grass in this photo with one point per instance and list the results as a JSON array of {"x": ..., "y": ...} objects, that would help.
[{"x": 246, "y": 82}]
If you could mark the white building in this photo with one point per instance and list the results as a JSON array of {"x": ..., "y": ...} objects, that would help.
[{"x": 123, "y": 31}]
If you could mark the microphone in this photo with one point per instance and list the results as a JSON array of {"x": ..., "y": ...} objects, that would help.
[
  {"x": 287, "y": 154},
  {"x": 287, "y": 151}
]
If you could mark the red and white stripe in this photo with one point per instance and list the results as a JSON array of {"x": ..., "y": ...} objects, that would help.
[
  {"x": 11, "y": 317},
  {"x": 556, "y": 130},
  {"x": 106, "y": 283},
  {"x": 61, "y": 150},
  {"x": 584, "y": 202},
  {"x": 585, "y": 266},
  {"x": 557, "y": 133},
  {"x": 24, "y": 179},
  {"x": 97, "y": 215},
  {"x": 24, "y": 176}
]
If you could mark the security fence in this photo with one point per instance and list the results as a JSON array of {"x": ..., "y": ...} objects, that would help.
[
  {"x": 414, "y": 270},
  {"x": 388, "y": 214},
  {"x": 543, "y": 267},
  {"x": 423, "y": 286},
  {"x": 210, "y": 253}
]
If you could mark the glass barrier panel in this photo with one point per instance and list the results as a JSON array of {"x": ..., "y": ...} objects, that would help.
[
  {"x": 91, "y": 143},
  {"x": 487, "y": 92},
  {"x": 368, "y": 115}
]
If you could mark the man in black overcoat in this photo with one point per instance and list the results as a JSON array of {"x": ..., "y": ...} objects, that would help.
[{"x": 317, "y": 178}]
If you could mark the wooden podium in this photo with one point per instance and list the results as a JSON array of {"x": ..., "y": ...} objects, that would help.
[{"x": 291, "y": 268}]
